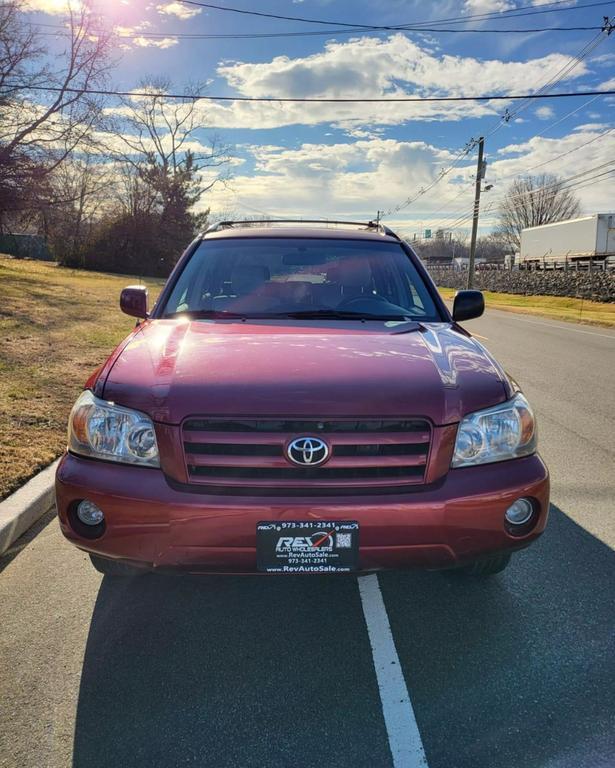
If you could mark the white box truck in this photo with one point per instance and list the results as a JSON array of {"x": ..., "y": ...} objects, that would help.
[{"x": 588, "y": 238}]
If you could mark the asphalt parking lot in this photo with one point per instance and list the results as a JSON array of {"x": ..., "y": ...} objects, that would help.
[{"x": 218, "y": 671}]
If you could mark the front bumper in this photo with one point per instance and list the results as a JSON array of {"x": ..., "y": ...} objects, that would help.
[{"x": 149, "y": 522}]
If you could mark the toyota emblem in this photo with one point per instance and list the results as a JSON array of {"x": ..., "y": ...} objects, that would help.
[{"x": 308, "y": 451}]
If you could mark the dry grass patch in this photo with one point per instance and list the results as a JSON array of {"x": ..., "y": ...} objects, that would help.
[
  {"x": 56, "y": 326},
  {"x": 554, "y": 307}
]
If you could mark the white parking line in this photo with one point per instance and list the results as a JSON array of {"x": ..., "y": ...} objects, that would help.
[{"x": 402, "y": 730}]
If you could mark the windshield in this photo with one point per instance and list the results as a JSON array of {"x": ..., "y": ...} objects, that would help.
[{"x": 275, "y": 277}]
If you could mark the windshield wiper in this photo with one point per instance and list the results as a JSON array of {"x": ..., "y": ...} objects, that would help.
[
  {"x": 341, "y": 314},
  {"x": 205, "y": 314},
  {"x": 307, "y": 314}
]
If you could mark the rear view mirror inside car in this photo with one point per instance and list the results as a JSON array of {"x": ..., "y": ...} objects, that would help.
[{"x": 302, "y": 257}]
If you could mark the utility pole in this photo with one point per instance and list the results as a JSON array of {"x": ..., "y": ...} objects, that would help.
[{"x": 480, "y": 172}]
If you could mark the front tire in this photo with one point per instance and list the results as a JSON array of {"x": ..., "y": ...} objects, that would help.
[
  {"x": 115, "y": 567},
  {"x": 485, "y": 566}
]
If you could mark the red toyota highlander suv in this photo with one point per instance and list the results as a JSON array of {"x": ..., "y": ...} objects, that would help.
[{"x": 300, "y": 400}]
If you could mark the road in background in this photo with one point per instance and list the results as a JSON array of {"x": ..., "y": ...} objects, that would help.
[
  {"x": 567, "y": 372},
  {"x": 241, "y": 673},
  {"x": 520, "y": 671}
]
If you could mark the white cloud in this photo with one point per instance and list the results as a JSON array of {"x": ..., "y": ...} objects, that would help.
[
  {"x": 588, "y": 127},
  {"x": 487, "y": 6},
  {"x": 150, "y": 42},
  {"x": 604, "y": 60},
  {"x": 587, "y": 150},
  {"x": 53, "y": 7},
  {"x": 132, "y": 37},
  {"x": 544, "y": 113},
  {"x": 370, "y": 67},
  {"x": 340, "y": 179},
  {"x": 179, "y": 10},
  {"x": 267, "y": 115},
  {"x": 357, "y": 178}
]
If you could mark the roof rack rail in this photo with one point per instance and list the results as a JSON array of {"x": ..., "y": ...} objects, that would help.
[{"x": 265, "y": 222}]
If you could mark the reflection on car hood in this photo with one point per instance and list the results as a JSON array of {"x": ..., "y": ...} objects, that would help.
[{"x": 177, "y": 368}]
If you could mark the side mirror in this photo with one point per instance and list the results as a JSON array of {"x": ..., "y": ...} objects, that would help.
[
  {"x": 133, "y": 301},
  {"x": 468, "y": 304}
]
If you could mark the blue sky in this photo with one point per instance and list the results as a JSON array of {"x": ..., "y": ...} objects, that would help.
[{"x": 350, "y": 160}]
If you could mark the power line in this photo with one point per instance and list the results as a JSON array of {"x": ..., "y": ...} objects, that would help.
[
  {"x": 525, "y": 171},
  {"x": 444, "y": 172},
  {"x": 557, "y": 184},
  {"x": 318, "y": 32},
  {"x": 464, "y": 190},
  {"x": 316, "y": 100},
  {"x": 557, "y": 78},
  {"x": 577, "y": 181},
  {"x": 606, "y": 30},
  {"x": 557, "y": 157},
  {"x": 581, "y": 183},
  {"x": 565, "y": 117},
  {"x": 513, "y": 13},
  {"x": 325, "y": 22},
  {"x": 517, "y": 175}
]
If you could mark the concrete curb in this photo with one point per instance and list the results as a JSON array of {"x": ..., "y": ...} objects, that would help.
[{"x": 27, "y": 505}]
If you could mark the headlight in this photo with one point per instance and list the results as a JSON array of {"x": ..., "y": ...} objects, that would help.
[
  {"x": 505, "y": 431},
  {"x": 103, "y": 430}
]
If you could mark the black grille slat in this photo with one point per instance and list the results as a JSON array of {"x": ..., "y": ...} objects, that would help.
[
  {"x": 342, "y": 473},
  {"x": 382, "y": 449},
  {"x": 233, "y": 449},
  {"x": 321, "y": 426}
]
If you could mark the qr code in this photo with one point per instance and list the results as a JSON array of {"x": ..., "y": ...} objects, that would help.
[{"x": 343, "y": 540}]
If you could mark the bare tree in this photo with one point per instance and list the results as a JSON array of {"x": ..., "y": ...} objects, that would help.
[
  {"x": 532, "y": 201},
  {"x": 81, "y": 199},
  {"x": 45, "y": 112},
  {"x": 135, "y": 195},
  {"x": 18, "y": 48},
  {"x": 158, "y": 138},
  {"x": 163, "y": 167}
]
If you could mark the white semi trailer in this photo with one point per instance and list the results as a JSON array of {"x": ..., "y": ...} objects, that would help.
[{"x": 575, "y": 241}]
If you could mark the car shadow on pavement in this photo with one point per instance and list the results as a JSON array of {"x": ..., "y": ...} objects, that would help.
[
  {"x": 228, "y": 671},
  {"x": 517, "y": 670},
  {"x": 268, "y": 671}
]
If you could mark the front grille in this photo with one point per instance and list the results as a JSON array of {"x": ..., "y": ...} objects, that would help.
[
  {"x": 251, "y": 453},
  {"x": 302, "y": 426}
]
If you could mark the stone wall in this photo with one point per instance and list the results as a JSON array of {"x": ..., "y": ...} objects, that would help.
[{"x": 596, "y": 285}]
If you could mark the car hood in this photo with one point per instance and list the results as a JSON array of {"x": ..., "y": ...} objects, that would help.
[{"x": 172, "y": 369}]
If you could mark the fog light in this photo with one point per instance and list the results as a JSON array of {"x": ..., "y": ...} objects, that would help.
[
  {"x": 520, "y": 512},
  {"x": 89, "y": 513}
]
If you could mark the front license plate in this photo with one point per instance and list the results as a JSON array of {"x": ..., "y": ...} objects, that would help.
[{"x": 311, "y": 546}]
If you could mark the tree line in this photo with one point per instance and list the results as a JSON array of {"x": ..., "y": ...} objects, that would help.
[
  {"x": 118, "y": 187},
  {"x": 112, "y": 189}
]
